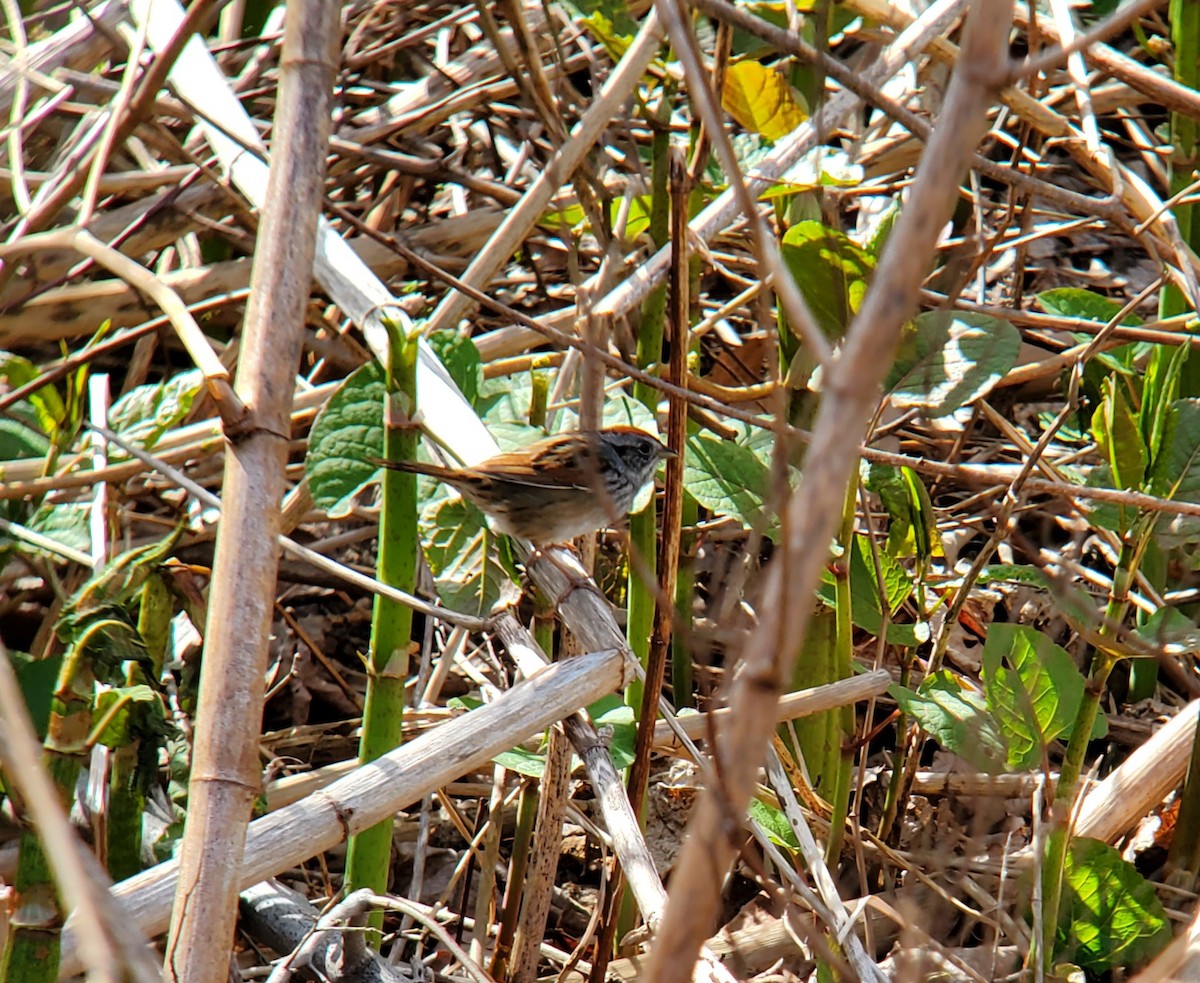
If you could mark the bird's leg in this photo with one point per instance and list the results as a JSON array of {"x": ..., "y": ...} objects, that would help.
[{"x": 571, "y": 570}]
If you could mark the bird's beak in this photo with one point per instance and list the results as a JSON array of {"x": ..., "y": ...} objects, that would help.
[{"x": 667, "y": 453}]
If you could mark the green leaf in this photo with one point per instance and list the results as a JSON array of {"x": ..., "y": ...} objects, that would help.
[
  {"x": 133, "y": 703},
  {"x": 45, "y": 403},
  {"x": 1160, "y": 389},
  {"x": 64, "y": 522},
  {"x": 37, "y": 679},
  {"x": 727, "y": 479},
  {"x": 913, "y": 530},
  {"x": 1119, "y": 436},
  {"x": 1032, "y": 687},
  {"x": 822, "y": 168},
  {"x": 1013, "y": 573},
  {"x": 615, "y": 717},
  {"x": 522, "y": 761},
  {"x": 18, "y": 441},
  {"x": 865, "y": 610},
  {"x": 1171, "y": 630},
  {"x": 957, "y": 718},
  {"x": 951, "y": 359},
  {"x": 1083, "y": 304},
  {"x": 346, "y": 433},
  {"x": 1106, "y": 515},
  {"x": 761, "y": 100},
  {"x": 637, "y": 216},
  {"x": 609, "y": 22},
  {"x": 1175, "y": 473},
  {"x": 461, "y": 358},
  {"x": 506, "y": 400},
  {"x": 773, "y": 821},
  {"x": 831, "y": 270},
  {"x": 619, "y": 411},
  {"x": 1075, "y": 302},
  {"x": 468, "y": 575},
  {"x": 145, "y": 413},
  {"x": 561, "y": 219},
  {"x": 115, "y": 586},
  {"x": 1110, "y": 917}
]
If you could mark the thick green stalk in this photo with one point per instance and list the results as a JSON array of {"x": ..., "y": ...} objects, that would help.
[
  {"x": 130, "y": 770},
  {"x": 1064, "y": 794},
  {"x": 828, "y": 652},
  {"x": 527, "y": 806},
  {"x": 1185, "y": 155},
  {"x": 841, "y": 721},
  {"x": 31, "y": 953},
  {"x": 369, "y": 855},
  {"x": 685, "y": 592},
  {"x": 1184, "y": 855},
  {"x": 1081, "y": 735},
  {"x": 643, "y": 527}
]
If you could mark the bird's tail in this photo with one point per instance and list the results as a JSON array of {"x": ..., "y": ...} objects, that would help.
[{"x": 414, "y": 467}]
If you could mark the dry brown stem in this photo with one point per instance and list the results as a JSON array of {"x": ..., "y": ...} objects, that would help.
[
  {"x": 812, "y": 514},
  {"x": 225, "y": 774}
]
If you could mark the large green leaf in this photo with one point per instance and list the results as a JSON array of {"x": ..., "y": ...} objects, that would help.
[
  {"x": 831, "y": 270},
  {"x": 727, "y": 478},
  {"x": 913, "y": 529},
  {"x": 773, "y": 821},
  {"x": 345, "y": 435},
  {"x": 1075, "y": 302},
  {"x": 64, "y": 522},
  {"x": 467, "y": 572},
  {"x": 461, "y": 358},
  {"x": 1175, "y": 473},
  {"x": 145, "y": 413},
  {"x": 130, "y": 712},
  {"x": 37, "y": 679},
  {"x": 865, "y": 594},
  {"x": 19, "y": 440},
  {"x": 45, "y": 403},
  {"x": 950, "y": 359},
  {"x": 1119, "y": 436},
  {"x": 27, "y": 426},
  {"x": 957, "y": 718},
  {"x": 1083, "y": 304},
  {"x": 1032, "y": 687},
  {"x": 1110, "y": 917}
]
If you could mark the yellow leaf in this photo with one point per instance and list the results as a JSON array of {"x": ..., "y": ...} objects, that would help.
[{"x": 760, "y": 99}]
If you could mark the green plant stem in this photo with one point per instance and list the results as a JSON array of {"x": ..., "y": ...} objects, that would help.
[
  {"x": 32, "y": 948},
  {"x": 127, "y": 783},
  {"x": 841, "y": 721},
  {"x": 1081, "y": 735},
  {"x": 368, "y": 857},
  {"x": 527, "y": 806},
  {"x": 643, "y": 527},
  {"x": 1184, "y": 18},
  {"x": 685, "y": 591},
  {"x": 1064, "y": 794},
  {"x": 891, "y": 800}
]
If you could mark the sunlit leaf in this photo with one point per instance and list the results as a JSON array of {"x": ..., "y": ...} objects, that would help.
[
  {"x": 1032, "y": 687},
  {"x": 957, "y": 718},
  {"x": 459, "y": 547},
  {"x": 1111, "y": 917},
  {"x": 761, "y": 100},
  {"x": 345, "y": 435},
  {"x": 831, "y": 270},
  {"x": 950, "y": 359}
]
